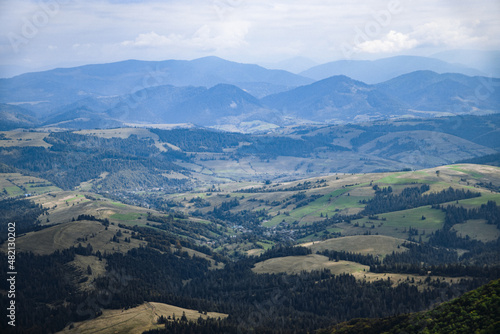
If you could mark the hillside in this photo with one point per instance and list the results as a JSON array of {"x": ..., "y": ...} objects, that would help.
[
  {"x": 269, "y": 226},
  {"x": 129, "y": 159},
  {"x": 188, "y": 249},
  {"x": 474, "y": 312},
  {"x": 335, "y": 98}
]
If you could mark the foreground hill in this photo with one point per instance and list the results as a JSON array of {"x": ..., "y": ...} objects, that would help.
[
  {"x": 474, "y": 312},
  {"x": 388, "y": 244},
  {"x": 137, "y": 320}
]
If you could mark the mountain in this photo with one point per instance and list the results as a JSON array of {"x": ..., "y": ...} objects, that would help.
[
  {"x": 487, "y": 62},
  {"x": 337, "y": 98},
  {"x": 384, "y": 69},
  {"x": 423, "y": 148},
  {"x": 294, "y": 65},
  {"x": 199, "y": 105},
  {"x": 12, "y": 117},
  {"x": 58, "y": 87},
  {"x": 449, "y": 92}
]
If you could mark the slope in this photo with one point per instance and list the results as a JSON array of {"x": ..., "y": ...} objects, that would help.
[
  {"x": 338, "y": 98},
  {"x": 474, "y": 312},
  {"x": 380, "y": 70}
]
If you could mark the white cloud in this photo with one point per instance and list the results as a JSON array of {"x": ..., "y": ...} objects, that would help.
[
  {"x": 440, "y": 33},
  {"x": 151, "y": 39},
  {"x": 241, "y": 30},
  {"x": 218, "y": 36},
  {"x": 451, "y": 33},
  {"x": 393, "y": 42}
]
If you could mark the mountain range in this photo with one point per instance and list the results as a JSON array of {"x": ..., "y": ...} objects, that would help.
[
  {"x": 380, "y": 70},
  {"x": 215, "y": 92}
]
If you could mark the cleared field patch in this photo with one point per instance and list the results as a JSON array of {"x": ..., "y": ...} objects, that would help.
[
  {"x": 136, "y": 320},
  {"x": 15, "y": 184},
  {"x": 406, "y": 178},
  {"x": 255, "y": 252},
  {"x": 477, "y": 201},
  {"x": 478, "y": 229},
  {"x": 466, "y": 170},
  {"x": 396, "y": 279},
  {"x": 329, "y": 204},
  {"x": 24, "y": 139},
  {"x": 130, "y": 216},
  {"x": 13, "y": 191},
  {"x": 363, "y": 244},
  {"x": 65, "y": 235},
  {"x": 398, "y": 221},
  {"x": 297, "y": 264},
  {"x": 122, "y": 133}
]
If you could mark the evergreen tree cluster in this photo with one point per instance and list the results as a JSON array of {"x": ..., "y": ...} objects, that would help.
[
  {"x": 23, "y": 212},
  {"x": 413, "y": 197}
]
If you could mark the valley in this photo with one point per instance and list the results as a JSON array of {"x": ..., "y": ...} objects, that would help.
[
  {"x": 181, "y": 216},
  {"x": 210, "y": 196}
]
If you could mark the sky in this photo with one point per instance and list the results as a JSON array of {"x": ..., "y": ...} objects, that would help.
[{"x": 43, "y": 34}]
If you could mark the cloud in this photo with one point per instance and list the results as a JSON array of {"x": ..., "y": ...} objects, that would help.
[
  {"x": 152, "y": 39},
  {"x": 219, "y": 36},
  {"x": 451, "y": 33},
  {"x": 393, "y": 42},
  {"x": 240, "y": 30},
  {"x": 444, "y": 33}
]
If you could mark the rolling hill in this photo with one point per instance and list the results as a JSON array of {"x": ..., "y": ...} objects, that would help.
[{"x": 184, "y": 252}]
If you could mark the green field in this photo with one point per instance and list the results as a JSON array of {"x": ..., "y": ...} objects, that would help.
[
  {"x": 460, "y": 168},
  {"x": 127, "y": 216}
]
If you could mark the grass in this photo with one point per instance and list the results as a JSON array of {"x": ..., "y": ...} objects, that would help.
[
  {"x": 136, "y": 320},
  {"x": 459, "y": 168},
  {"x": 483, "y": 199},
  {"x": 13, "y": 183},
  {"x": 434, "y": 219},
  {"x": 364, "y": 244},
  {"x": 76, "y": 197},
  {"x": 297, "y": 264},
  {"x": 69, "y": 234},
  {"x": 478, "y": 229},
  {"x": 397, "y": 178},
  {"x": 126, "y": 216},
  {"x": 265, "y": 244},
  {"x": 328, "y": 204},
  {"x": 14, "y": 191}
]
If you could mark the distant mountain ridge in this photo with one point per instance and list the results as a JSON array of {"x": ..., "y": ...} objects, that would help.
[
  {"x": 337, "y": 97},
  {"x": 214, "y": 92},
  {"x": 67, "y": 85},
  {"x": 381, "y": 70}
]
